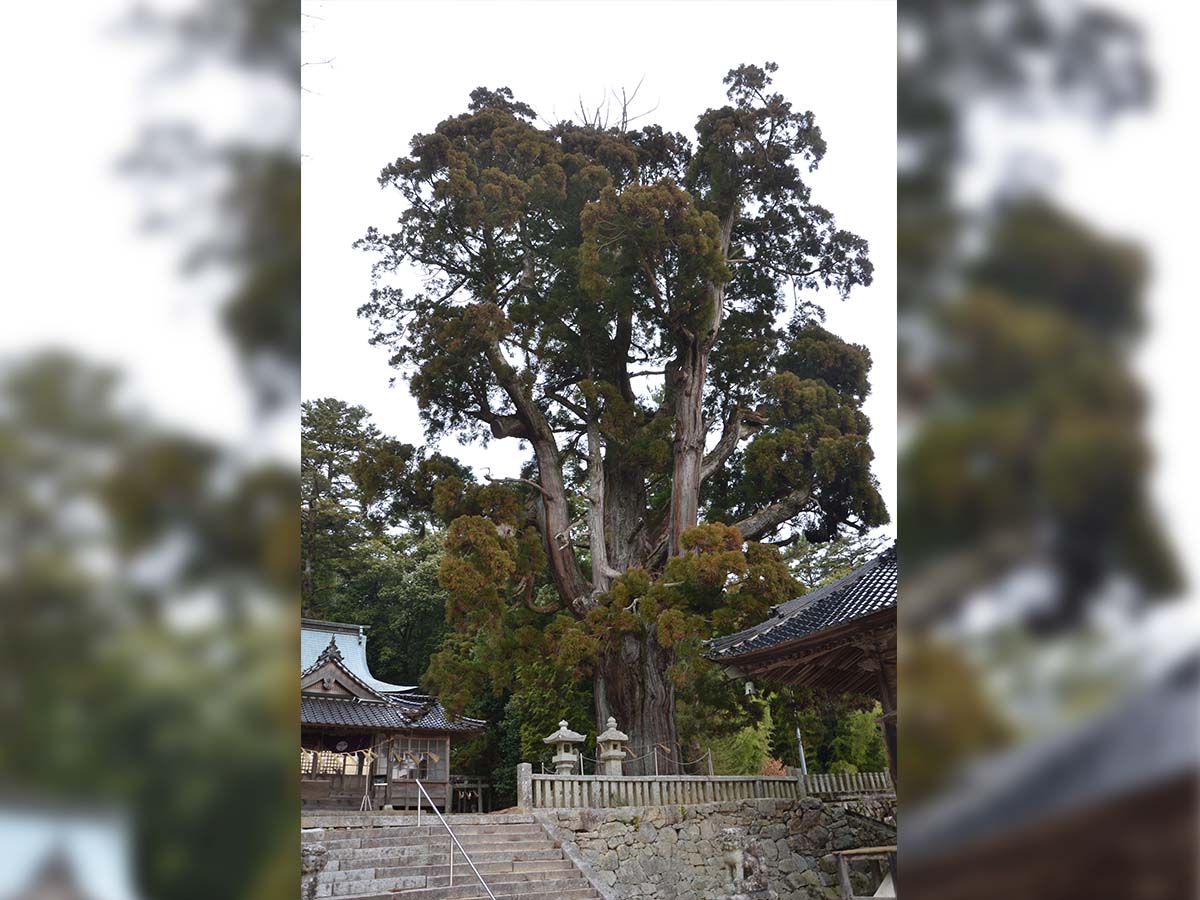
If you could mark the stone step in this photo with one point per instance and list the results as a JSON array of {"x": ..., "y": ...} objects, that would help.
[
  {"x": 482, "y": 842},
  {"x": 476, "y": 893},
  {"x": 438, "y": 856},
  {"x": 418, "y": 840},
  {"x": 469, "y": 844},
  {"x": 464, "y": 875},
  {"x": 428, "y": 826},
  {"x": 510, "y": 871},
  {"x": 330, "y": 835},
  {"x": 386, "y": 857},
  {"x": 414, "y": 851},
  {"x": 393, "y": 888},
  {"x": 534, "y": 892},
  {"x": 393, "y": 820},
  {"x": 381, "y": 857},
  {"x": 439, "y": 876}
]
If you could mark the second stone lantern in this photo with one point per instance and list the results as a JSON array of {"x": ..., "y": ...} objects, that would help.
[
  {"x": 612, "y": 748},
  {"x": 566, "y": 760}
]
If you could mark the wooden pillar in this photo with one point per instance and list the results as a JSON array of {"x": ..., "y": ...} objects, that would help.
[
  {"x": 449, "y": 804},
  {"x": 844, "y": 878},
  {"x": 885, "y": 675}
]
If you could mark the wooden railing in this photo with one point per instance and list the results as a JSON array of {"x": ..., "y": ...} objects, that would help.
[
  {"x": 605, "y": 791},
  {"x": 847, "y": 783}
]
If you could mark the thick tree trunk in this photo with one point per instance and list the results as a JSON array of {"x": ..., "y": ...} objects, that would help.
[
  {"x": 601, "y": 570},
  {"x": 632, "y": 686},
  {"x": 625, "y": 534},
  {"x": 688, "y": 389},
  {"x": 686, "y": 377}
]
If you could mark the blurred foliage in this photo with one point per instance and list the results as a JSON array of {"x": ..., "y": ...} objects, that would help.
[
  {"x": 947, "y": 716},
  {"x": 149, "y": 574},
  {"x": 144, "y": 573},
  {"x": 1025, "y": 446},
  {"x": 1042, "y": 432},
  {"x": 248, "y": 226},
  {"x": 1015, "y": 367}
]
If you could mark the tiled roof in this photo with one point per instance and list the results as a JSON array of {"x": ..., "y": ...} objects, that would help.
[
  {"x": 1144, "y": 741},
  {"x": 868, "y": 589},
  {"x": 430, "y": 713},
  {"x": 400, "y": 707},
  {"x": 352, "y": 643},
  {"x": 332, "y": 711},
  {"x": 421, "y": 712}
]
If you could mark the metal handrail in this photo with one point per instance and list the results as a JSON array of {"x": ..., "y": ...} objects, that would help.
[{"x": 453, "y": 838}]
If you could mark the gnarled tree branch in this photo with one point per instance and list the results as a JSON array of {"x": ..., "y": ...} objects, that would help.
[
  {"x": 564, "y": 565},
  {"x": 740, "y": 424},
  {"x": 504, "y": 426},
  {"x": 771, "y": 517},
  {"x": 527, "y": 481}
]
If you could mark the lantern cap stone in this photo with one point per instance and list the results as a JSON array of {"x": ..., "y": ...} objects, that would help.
[
  {"x": 612, "y": 734},
  {"x": 564, "y": 735}
]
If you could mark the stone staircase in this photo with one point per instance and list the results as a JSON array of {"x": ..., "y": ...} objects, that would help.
[{"x": 391, "y": 857}]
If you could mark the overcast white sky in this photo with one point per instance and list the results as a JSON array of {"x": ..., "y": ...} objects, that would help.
[
  {"x": 80, "y": 273},
  {"x": 399, "y": 68}
]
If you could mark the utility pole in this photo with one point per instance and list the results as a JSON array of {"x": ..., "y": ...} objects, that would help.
[{"x": 799, "y": 740}]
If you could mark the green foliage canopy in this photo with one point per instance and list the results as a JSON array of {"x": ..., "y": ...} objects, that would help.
[{"x": 617, "y": 300}]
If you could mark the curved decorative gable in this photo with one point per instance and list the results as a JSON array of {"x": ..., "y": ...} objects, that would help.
[{"x": 329, "y": 677}]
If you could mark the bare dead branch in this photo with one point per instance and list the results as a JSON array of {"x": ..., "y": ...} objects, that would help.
[{"x": 533, "y": 484}]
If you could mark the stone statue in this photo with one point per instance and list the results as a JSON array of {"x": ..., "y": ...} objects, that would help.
[
  {"x": 755, "y": 871},
  {"x": 312, "y": 861},
  {"x": 743, "y": 861},
  {"x": 733, "y": 855}
]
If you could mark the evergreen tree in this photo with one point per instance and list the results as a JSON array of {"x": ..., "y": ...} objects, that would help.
[
  {"x": 358, "y": 489},
  {"x": 613, "y": 298}
]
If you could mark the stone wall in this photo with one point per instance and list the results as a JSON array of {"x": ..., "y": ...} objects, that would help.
[
  {"x": 879, "y": 807},
  {"x": 784, "y": 848}
]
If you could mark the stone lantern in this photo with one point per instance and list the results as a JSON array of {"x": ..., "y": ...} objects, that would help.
[
  {"x": 612, "y": 748},
  {"x": 566, "y": 760}
]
